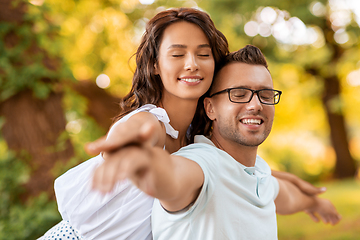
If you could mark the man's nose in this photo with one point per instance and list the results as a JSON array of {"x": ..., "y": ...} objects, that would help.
[{"x": 254, "y": 104}]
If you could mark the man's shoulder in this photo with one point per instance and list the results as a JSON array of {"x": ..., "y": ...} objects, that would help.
[
  {"x": 200, "y": 144},
  {"x": 203, "y": 153}
]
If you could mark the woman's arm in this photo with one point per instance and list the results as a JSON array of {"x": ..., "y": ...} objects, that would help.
[
  {"x": 291, "y": 200},
  {"x": 304, "y": 186},
  {"x": 128, "y": 131},
  {"x": 88, "y": 210}
]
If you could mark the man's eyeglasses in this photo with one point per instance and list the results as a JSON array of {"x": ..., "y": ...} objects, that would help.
[{"x": 244, "y": 95}]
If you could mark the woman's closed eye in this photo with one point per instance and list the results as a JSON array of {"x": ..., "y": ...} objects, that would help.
[{"x": 204, "y": 54}]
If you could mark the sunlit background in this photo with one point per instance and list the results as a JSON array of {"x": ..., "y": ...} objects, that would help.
[
  {"x": 99, "y": 39},
  {"x": 314, "y": 56}
]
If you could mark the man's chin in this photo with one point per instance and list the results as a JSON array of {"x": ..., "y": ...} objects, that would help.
[{"x": 251, "y": 142}]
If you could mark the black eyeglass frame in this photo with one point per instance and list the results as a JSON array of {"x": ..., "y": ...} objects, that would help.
[{"x": 252, "y": 94}]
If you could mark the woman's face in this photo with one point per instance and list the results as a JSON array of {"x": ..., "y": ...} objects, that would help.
[{"x": 185, "y": 64}]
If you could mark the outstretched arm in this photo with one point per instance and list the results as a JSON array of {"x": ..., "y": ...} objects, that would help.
[
  {"x": 291, "y": 200},
  {"x": 174, "y": 180},
  {"x": 83, "y": 207},
  {"x": 130, "y": 130},
  {"x": 303, "y": 186}
]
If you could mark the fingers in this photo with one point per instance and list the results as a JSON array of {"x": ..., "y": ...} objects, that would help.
[
  {"x": 96, "y": 147},
  {"x": 332, "y": 218},
  {"x": 310, "y": 189},
  {"x": 335, "y": 219},
  {"x": 312, "y": 216},
  {"x": 324, "y": 211},
  {"x": 122, "y": 135},
  {"x": 130, "y": 162}
]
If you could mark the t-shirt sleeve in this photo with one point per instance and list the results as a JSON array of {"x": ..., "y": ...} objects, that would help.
[
  {"x": 207, "y": 158},
  {"x": 275, "y": 184}
]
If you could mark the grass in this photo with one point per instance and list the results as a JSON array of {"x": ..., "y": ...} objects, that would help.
[{"x": 345, "y": 195}]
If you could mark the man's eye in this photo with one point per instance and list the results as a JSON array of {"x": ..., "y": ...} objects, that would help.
[
  {"x": 177, "y": 55},
  {"x": 239, "y": 95},
  {"x": 266, "y": 98}
]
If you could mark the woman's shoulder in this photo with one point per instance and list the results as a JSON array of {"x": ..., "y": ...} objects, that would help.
[{"x": 158, "y": 112}]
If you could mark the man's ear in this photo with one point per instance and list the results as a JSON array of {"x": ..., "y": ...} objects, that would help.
[{"x": 209, "y": 108}]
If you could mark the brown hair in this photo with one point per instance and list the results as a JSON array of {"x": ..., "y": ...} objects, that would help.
[
  {"x": 248, "y": 54},
  {"x": 146, "y": 86},
  {"x": 201, "y": 124}
]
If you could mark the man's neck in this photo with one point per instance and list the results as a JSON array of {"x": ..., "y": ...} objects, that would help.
[{"x": 246, "y": 155}]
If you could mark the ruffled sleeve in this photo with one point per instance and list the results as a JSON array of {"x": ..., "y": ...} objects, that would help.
[{"x": 158, "y": 112}]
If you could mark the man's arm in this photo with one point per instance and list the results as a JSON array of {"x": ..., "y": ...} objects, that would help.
[
  {"x": 291, "y": 200},
  {"x": 174, "y": 180}
]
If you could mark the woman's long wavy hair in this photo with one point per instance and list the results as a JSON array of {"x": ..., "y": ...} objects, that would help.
[{"x": 147, "y": 87}]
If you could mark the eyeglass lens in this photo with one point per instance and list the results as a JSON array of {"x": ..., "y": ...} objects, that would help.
[{"x": 241, "y": 95}]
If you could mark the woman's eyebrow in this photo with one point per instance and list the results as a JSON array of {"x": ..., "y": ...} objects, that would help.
[
  {"x": 177, "y": 46},
  {"x": 204, "y": 46},
  {"x": 184, "y": 46}
]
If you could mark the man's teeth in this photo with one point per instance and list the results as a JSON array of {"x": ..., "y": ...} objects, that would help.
[
  {"x": 251, "y": 121},
  {"x": 190, "y": 79}
]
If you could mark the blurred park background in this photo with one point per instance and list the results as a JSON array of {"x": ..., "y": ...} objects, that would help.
[{"x": 64, "y": 65}]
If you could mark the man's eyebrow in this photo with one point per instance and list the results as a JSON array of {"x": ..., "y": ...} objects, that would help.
[
  {"x": 249, "y": 87},
  {"x": 184, "y": 46}
]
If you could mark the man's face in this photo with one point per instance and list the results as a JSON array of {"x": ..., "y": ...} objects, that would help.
[{"x": 247, "y": 124}]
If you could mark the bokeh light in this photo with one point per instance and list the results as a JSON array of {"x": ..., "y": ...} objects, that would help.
[
  {"x": 37, "y": 2},
  {"x": 268, "y": 15},
  {"x": 146, "y": 2},
  {"x": 103, "y": 81},
  {"x": 317, "y": 9},
  {"x": 291, "y": 32},
  {"x": 353, "y": 78},
  {"x": 251, "y": 28},
  {"x": 341, "y": 36}
]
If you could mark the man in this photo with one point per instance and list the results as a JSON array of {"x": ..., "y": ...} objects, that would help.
[{"x": 219, "y": 188}]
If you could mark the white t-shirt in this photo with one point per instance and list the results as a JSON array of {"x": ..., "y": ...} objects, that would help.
[
  {"x": 123, "y": 213},
  {"x": 236, "y": 202}
]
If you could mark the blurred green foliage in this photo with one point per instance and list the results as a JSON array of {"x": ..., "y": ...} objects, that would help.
[
  {"x": 19, "y": 220},
  {"x": 21, "y": 70}
]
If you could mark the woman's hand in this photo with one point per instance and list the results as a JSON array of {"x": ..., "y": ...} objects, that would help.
[
  {"x": 129, "y": 132},
  {"x": 129, "y": 161}
]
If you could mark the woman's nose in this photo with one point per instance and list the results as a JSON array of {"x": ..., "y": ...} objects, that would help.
[{"x": 191, "y": 63}]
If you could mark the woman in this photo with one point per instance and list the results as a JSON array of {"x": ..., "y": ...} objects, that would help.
[
  {"x": 176, "y": 60},
  {"x": 175, "y": 63}
]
